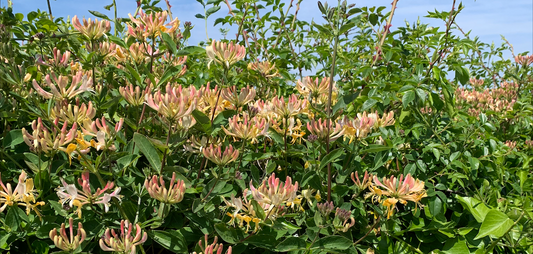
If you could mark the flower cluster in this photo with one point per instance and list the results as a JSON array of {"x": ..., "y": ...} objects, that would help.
[
  {"x": 218, "y": 157},
  {"x": 397, "y": 190},
  {"x": 176, "y": 103},
  {"x": 246, "y": 128},
  {"x": 213, "y": 248},
  {"x": 63, "y": 241},
  {"x": 151, "y": 25},
  {"x": 93, "y": 30},
  {"x": 23, "y": 195},
  {"x": 361, "y": 126},
  {"x": 69, "y": 194},
  {"x": 478, "y": 100},
  {"x": 124, "y": 242},
  {"x": 171, "y": 195},
  {"x": 225, "y": 54}
]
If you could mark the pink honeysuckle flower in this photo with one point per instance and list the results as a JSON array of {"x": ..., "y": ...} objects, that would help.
[
  {"x": 215, "y": 154},
  {"x": 151, "y": 25},
  {"x": 63, "y": 241},
  {"x": 397, "y": 190},
  {"x": 68, "y": 193},
  {"x": 176, "y": 103},
  {"x": 72, "y": 114},
  {"x": 171, "y": 195},
  {"x": 93, "y": 30},
  {"x": 245, "y": 128},
  {"x": 134, "y": 96},
  {"x": 316, "y": 90},
  {"x": 359, "y": 127},
  {"x": 47, "y": 141},
  {"x": 237, "y": 100},
  {"x": 286, "y": 109},
  {"x": 124, "y": 242},
  {"x": 367, "y": 180},
  {"x": 59, "y": 86},
  {"x": 23, "y": 195},
  {"x": 102, "y": 132},
  {"x": 386, "y": 120},
  {"x": 266, "y": 69},
  {"x": 224, "y": 54},
  {"x": 213, "y": 248},
  {"x": 320, "y": 129},
  {"x": 273, "y": 192}
]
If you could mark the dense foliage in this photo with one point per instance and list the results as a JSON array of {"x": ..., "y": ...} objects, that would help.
[{"x": 118, "y": 135}]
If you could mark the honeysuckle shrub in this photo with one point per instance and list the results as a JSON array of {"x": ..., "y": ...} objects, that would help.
[{"x": 119, "y": 135}]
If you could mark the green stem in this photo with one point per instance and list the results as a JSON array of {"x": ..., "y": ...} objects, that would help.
[
  {"x": 167, "y": 148},
  {"x": 330, "y": 92},
  {"x": 308, "y": 249}
]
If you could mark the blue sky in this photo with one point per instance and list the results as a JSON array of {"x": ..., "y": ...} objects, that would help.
[{"x": 488, "y": 19}]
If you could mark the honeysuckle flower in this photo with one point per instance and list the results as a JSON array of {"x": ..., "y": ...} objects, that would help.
[
  {"x": 171, "y": 195},
  {"x": 244, "y": 212},
  {"x": 43, "y": 140},
  {"x": 308, "y": 195},
  {"x": 320, "y": 129},
  {"x": 237, "y": 100},
  {"x": 124, "y": 242},
  {"x": 215, "y": 154},
  {"x": 151, "y": 25},
  {"x": 102, "y": 48},
  {"x": 93, "y": 30},
  {"x": 176, "y": 103},
  {"x": 292, "y": 107},
  {"x": 316, "y": 90},
  {"x": 72, "y": 114},
  {"x": 137, "y": 52},
  {"x": 325, "y": 208},
  {"x": 209, "y": 99},
  {"x": 367, "y": 180},
  {"x": 63, "y": 241},
  {"x": 523, "y": 60},
  {"x": 386, "y": 120},
  {"x": 294, "y": 129},
  {"x": 245, "y": 128},
  {"x": 134, "y": 96},
  {"x": 211, "y": 248},
  {"x": 59, "y": 60},
  {"x": 359, "y": 127},
  {"x": 265, "y": 68},
  {"x": 60, "y": 89},
  {"x": 343, "y": 220},
  {"x": 23, "y": 195},
  {"x": 510, "y": 144},
  {"x": 68, "y": 193},
  {"x": 273, "y": 192},
  {"x": 397, "y": 190},
  {"x": 102, "y": 132},
  {"x": 197, "y": 145},
  {"x": 224, "y": 54}
]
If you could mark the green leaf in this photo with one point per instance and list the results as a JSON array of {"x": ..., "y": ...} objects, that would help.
[
  {"x": 199, "y": 16},
  {"x": 203, "y": 121},
  {"x": 455, "y": 246},
  {"x": 170, "y": 43},
  {"x": 13, "y": 138},
  {"x": 190, "y": 50},
  {"x": 99, "y": 15},
  {"x": 496, "y": 224},
  {"x": 13, "y": 219},
  {"x": 212, "y": 10},
  {"x": 408, "y": 97},
  {"x": 475, "y": 207},
  {"x": 40, "y": 247},
  {"x": 344, "y": 101},
  {"x": 44, "y": 231},
  {"x": 290, "y": 244},
  {"x": 331, "y": 156},
  {"x": 258, "y": 210},
  {"x": 376, "y": 148},
  {"x": 170, "y": 240},
  {"x": 373, "y": 18},
  {"x": 333, "y": 242},
  {"x": 368, "y": 104},
  {"x": 230, "y": 235},
  {"x": 346, "y": 27},
  {"x": 148, "y": 150}
]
